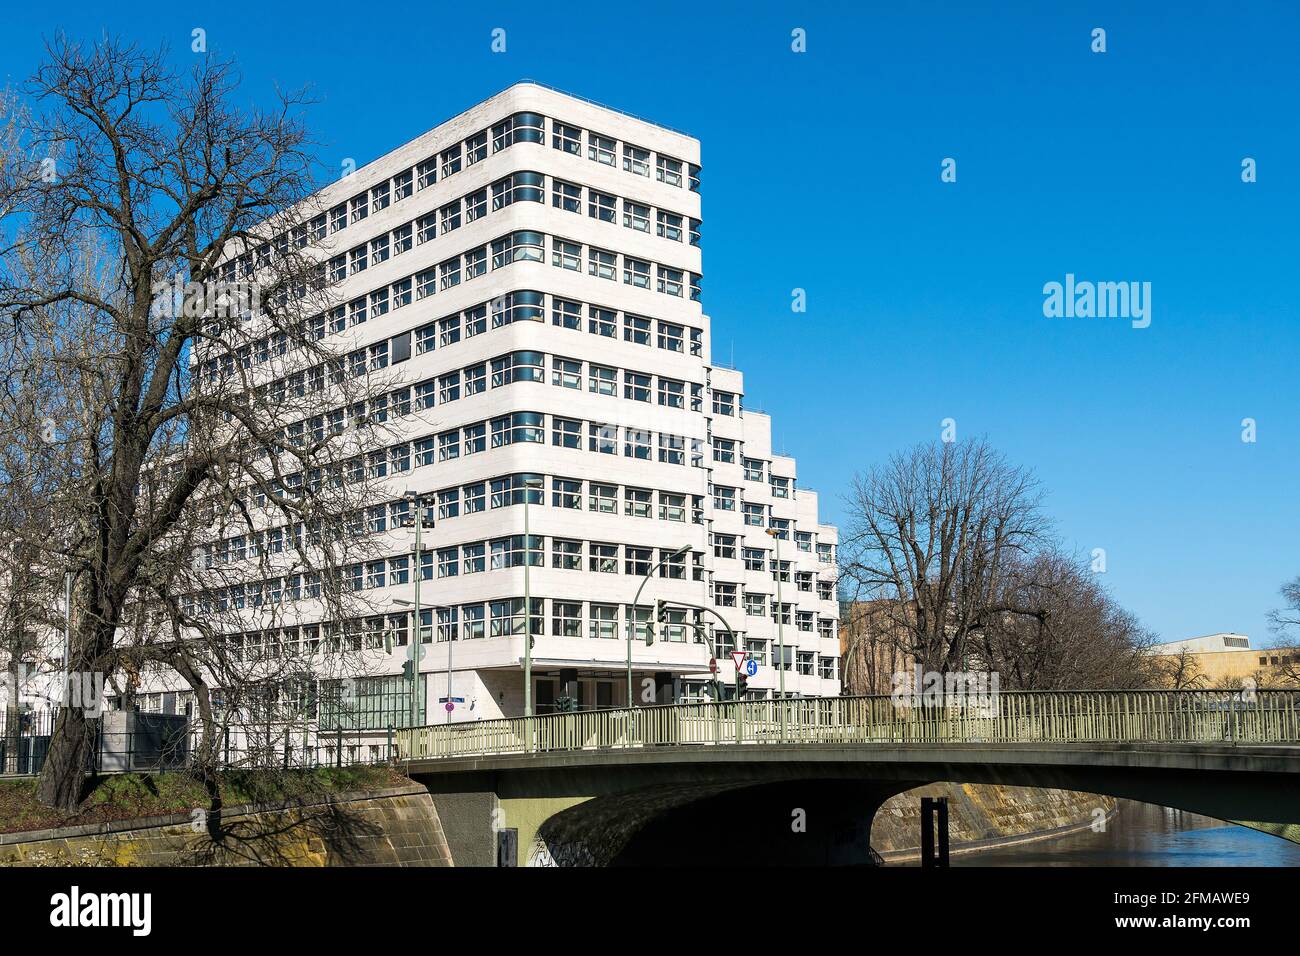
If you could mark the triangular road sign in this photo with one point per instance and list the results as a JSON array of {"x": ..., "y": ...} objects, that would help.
[{"x": 739, "y": 658}]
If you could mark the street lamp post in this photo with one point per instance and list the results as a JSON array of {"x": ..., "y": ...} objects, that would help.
[
  {"x": 451, "y": 643},
  {"x": 415, "y": 631},
  {"x": 631, "y": 623},
  {"x": 780, "y": 627},
  {"x": 530, "y": 483}
]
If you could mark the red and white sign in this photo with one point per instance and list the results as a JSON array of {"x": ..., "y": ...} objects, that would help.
[
  {"x": 739, "y": 658},
  {"x": 713, "y": 665}
]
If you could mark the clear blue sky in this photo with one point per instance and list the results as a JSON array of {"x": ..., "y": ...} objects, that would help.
[{"x": 821, "y": 171}]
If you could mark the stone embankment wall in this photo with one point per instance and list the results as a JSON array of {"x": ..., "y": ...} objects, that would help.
[
  {"x": 981, "y": 816},
  {"x": 395, "y": 827}
]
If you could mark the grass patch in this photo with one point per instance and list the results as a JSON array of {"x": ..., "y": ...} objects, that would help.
[{"x": 130, "y": 796}]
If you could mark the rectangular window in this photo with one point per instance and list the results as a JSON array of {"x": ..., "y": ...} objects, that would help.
[
  {"x": 566, "y": 373},
  {"x": 672, "y": 507},
  {"x": 672, "y": 449},
  {"x": 566, "y": 432},
  {"x": 604, "y": 621},
  {"x": 603, "y": 558},
  {"x": 636, "y": 160},
  {"x": 637, "y": 502},
  {"x": 449, "y": 273},
  {"x": 451, "y": 160},
  {"x": 566, "y": 255},
  {"x": 427, "y": 173},
  {"x": 602, "y": 380},
  {"x": 636, "y": 386},
  {"x": 636, "y": 216},
  {"x": 601, "y": 206},
  {"x": 449, "y": 387},
  {"x": 672, "y": 393},
  {"x": 602, "y": 322},
  {"x": 601, "y": 263},
  {"x": 601, "y": 149},
  {"x": 565, "y": 313},
  {"x": 567, "y": 139},
  {"x": 602, "y": 439},
  {"x": 604, "y": 498},
  {"x": 566, "y": 554},
  {"x": 402, "y": 185},
  {"x": 637, "y": 561},
  {"x": 476, "y": 205},
  {"x": 476, "y": 438},
  {"x": 566, "y": 196},
  {"x": 669, "y": 226},
  {"x": 448, "y": 220},
  {"x": 566, "y": 493},
  {"x": 566, "y": 618},
  {"x": 670, "y": 281},
  {"x": 671, "y": 337},
  {"x": 669, "y": 170},
  {"x": 636, "y": 329},
  {"x": 476, "y": 148}
]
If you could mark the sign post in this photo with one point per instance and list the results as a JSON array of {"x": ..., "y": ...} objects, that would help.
[{"x": 738, "y": 658}]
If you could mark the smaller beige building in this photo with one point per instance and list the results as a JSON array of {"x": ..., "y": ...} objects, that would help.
[{"x": 1226, "y": 660}]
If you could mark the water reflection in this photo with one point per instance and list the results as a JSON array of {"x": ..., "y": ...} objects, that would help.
[{"x": 1140, "y": 834}]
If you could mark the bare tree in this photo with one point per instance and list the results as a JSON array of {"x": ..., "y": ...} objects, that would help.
[
  {"x": 1285, "y": 621},
  {"x": 28, "y": 610},
  {"x": 933, "y": 534},
  {"x": 170, "y": 382},
  {"x": 1180, "y": 671},
  {"x": 1073, "y": 636}
]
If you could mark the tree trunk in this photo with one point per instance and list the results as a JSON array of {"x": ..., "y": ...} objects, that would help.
[{"x": 64, "y": 774}]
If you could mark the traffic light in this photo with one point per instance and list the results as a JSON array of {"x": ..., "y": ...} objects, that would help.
[
  {"x": 742, "y": 684},
  {"x": 660, "y": 618},
  {"x": 406, "y": 669}
]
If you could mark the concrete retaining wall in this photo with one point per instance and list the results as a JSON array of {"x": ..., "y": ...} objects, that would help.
[
  {"x": 982, "y": 816},
  {"x": 394, "y": 827}
]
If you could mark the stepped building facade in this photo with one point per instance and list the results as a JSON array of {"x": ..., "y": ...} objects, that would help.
[{"x": 528, "y": 275}]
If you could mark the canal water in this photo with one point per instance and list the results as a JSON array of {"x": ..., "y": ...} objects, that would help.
[{"x": 1140, "y": 834}]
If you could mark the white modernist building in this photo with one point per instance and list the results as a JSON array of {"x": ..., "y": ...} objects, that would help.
[{"x": 528, "y": 276}]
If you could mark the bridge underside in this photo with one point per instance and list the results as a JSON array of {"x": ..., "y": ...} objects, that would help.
[{"x": 810, "y": 804}]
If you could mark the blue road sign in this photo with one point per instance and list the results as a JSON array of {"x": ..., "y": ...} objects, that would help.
[{"x": 751, "y": 667}]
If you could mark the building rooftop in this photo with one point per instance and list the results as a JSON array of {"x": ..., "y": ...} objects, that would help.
[{"x": 1220, "y": 641}]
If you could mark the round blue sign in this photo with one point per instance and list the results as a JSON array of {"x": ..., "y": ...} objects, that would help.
[{"x": 751, "y": 668}]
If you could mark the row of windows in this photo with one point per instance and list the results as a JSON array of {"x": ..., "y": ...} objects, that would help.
[
  {"x": 505, "y": 310},
  {"x": 505, "y": 617},
  {"x": 524, "y": 186},
  {"x": 521, "y": 246},
  {"x": 531, "y": 427},
  {"x": 635, "y": 160},
  {"x": 518, "y": 128},
  {"x": 509, "y": 490},
  {"x": 637, "y": 216}
]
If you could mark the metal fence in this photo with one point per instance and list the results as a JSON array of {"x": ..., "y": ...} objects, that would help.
[
  {"x": 1186, "y": 716},
  {"x": 154, "y": 742}
]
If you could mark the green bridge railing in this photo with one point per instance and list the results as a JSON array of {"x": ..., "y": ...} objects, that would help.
[{"x": 1159, "y": 716}]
